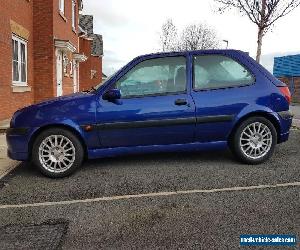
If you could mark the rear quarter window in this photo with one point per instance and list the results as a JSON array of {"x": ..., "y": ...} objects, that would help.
[{"x": 217, "y": 71}]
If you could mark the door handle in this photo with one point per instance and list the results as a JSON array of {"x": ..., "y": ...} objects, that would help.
[{"x": 180, "y": 102}]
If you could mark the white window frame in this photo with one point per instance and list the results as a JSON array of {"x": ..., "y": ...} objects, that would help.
[
  {"x": 61, "y": 6},
  {"x": 20, "y": 82},
  {"x": 74, "y": 15}
]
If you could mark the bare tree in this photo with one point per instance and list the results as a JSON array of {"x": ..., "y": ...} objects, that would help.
[
  {"x": 168, "y": 36},
  {"x": 198, "y": 36},
  {"x": 192, "y": 37},
  {"x": 264, "y": 13}
]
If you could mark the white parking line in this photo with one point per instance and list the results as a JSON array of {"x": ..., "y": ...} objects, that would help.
[{"x": 132, "y": 196}]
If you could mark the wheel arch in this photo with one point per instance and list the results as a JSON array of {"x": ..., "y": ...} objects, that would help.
[
  {"x": 62, "y": 126},
  {"x": 264, "y": 114}
]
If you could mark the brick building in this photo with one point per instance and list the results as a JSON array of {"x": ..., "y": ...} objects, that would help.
[
  {"x": 287, "y": 69},
  {"x": 90, "y": 44},
  {"x": 40, "y": 53}
]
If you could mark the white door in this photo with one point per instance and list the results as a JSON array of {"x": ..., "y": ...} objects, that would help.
[
  {"x": 59, "y": 73},
  {"x": 75, "y": 85}
]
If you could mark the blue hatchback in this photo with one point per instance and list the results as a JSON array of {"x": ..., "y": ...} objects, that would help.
[{"x": 177, "y": 101}]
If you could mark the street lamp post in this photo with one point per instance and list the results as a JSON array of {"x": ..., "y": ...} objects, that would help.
[{"x": 227, "y": 43}]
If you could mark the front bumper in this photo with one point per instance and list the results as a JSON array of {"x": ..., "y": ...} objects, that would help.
[{"x": 18, "y": 143}]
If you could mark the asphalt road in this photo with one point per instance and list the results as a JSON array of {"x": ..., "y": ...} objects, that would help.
[
  {"x": 196, "y": 220},
  {"x": 295, "y": 110}
]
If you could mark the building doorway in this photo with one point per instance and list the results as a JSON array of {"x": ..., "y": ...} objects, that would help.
[{"x": 59, "y": 73}]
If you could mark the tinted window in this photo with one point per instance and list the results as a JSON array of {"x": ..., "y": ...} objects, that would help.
[
  {"x": 214, "y": 71},
  {"x": 154, "y": 76}
]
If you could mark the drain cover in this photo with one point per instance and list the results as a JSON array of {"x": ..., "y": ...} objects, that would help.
[{"x": 43, "y": 236}]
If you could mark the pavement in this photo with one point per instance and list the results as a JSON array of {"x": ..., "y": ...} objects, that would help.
[
  {"x": 6, "y": 165},
  {"x": 295, "y": 108},
  {"x": 4, "y": 124},
  {"x": 201, "y": 200}
]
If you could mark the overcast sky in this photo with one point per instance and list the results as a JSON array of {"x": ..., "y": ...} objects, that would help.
[{"x": 131, "y": 28}]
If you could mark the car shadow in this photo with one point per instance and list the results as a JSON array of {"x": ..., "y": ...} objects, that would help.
[
  {"x": 144, "y": 160},
  {"x": 27, "y": 169}
]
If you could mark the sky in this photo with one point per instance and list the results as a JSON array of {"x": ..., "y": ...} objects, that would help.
[{"x": 131, "y": 28}]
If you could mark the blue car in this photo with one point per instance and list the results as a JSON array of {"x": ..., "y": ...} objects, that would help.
[{"x": 165, "y": 102}]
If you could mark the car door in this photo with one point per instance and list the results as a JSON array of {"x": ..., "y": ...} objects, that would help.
[
  {"x": 155, "y": 107},
  {"x": 222, "y": 87}
]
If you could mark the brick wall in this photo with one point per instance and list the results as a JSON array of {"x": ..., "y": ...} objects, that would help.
[
  {"x": 10, "y": 101},
  {"x": 63, "y": 30},
  {"x": 42, "y": 23},
  {"x": 43, "y": 53},
  {"x": 296, "y": 93},
  {"x": 92, "y": 63},
  {"x": 50, "y": 24}
]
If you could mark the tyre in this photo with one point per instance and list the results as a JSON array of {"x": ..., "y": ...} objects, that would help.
[
  {"x": 57, "y": 152},
  {"x": 254, "y": 140}
]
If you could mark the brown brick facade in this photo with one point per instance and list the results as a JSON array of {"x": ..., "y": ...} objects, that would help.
[
  {"x": 46, "y": 31},
  {"x": 91, "y": 70},
  {"x": 20, "y": 12},
  {"x": 295, "y": 89}
]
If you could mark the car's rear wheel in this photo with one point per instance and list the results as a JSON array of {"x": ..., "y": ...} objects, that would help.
[
  {"x": 254, "y": 140},
  {"x": 57, "y": 152}
]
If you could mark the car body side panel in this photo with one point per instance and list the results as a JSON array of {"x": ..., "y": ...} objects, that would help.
[
  {"x": 231, "y": 102},
  {"x": 117, "y": 151},
  {"x": 70, "y": 111},
  {"x": 146, "y": 121}
]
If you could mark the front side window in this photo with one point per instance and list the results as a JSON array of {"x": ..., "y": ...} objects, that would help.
[
  {"x": 154, "y": 77},
  {"x": 62, "y": 6},
  {"x": 19, "y": 61},
  {"x": 216, "y": 71}
]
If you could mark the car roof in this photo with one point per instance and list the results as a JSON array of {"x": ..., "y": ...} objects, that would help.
[{"x": 178, "y": 53}]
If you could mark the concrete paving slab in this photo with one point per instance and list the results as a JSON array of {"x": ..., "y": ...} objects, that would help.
[
  {"x": 296, "y": 123},
  {"x": 6, "y": 164},
  {"x": 295, "y": 108},
  {"x": 4, "y": 125}
]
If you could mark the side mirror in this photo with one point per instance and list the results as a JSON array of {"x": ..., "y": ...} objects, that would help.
[{"x": 112, "y": 95}]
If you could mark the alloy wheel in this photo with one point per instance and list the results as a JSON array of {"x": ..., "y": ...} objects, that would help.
[
  {"x": 57, "y": 153},
  {"x": 256, "y": 140}
]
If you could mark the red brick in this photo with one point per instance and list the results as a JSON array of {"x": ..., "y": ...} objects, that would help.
[
  {"x": 92, "y": 63},
  {"x": 45, "y": 24}
]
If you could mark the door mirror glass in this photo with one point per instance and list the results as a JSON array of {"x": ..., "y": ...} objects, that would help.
[{"x": 112, "y": 94}]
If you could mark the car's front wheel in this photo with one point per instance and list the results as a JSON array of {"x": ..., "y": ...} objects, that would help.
[
  {"x": 254, "y": 140},
  {"x": 57, "y": 152}
]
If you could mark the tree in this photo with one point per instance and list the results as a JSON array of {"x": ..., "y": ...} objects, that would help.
[
  {"x": 168, "y": 36},
  {"x": 198, "y": 36},
  {"x": 192, "y": 37},
  {"x": 263, "y": 13}
]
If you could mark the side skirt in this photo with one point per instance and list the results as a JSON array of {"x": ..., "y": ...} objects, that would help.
[{"x": 111, "y": 152}]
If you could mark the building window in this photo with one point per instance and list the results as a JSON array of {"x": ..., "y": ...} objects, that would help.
[
  {"x": 66, "y": 62},
  {"x": 62, "y": 6},
  {"x": 93, "y": 74},
  {"x": 74, "y": 15},
  {"x": 19, "y": 61},
  {"x": 71, "y": 68}
]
